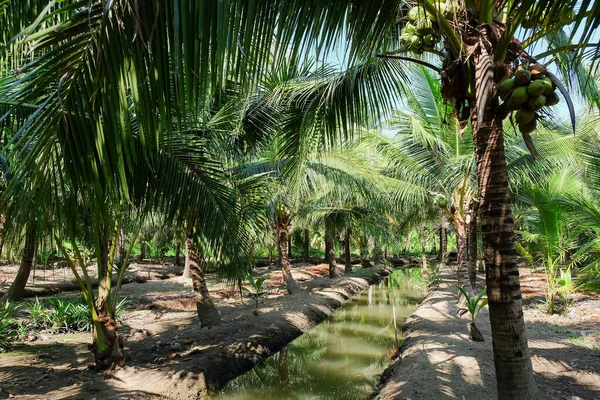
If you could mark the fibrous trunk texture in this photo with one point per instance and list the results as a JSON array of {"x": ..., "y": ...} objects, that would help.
[
  {"x": 444, "y": 241},
  {"x": 423, "y": 239},
  {"x": 16, "y": 291},
  {"x": 106, "y": 346},
  {"x": 2, "y": 232},
  {"x": 142, "y": 254},
  {"x": 514, "y": 373},
  {"x": 207, "y": 312},
  {"x": 404, "y": 244},
  {"x": 330, "y": 253},
  {"x": 306, "y": 246},
  {"x": 473, "y": 249},
  {"x": 178, "y": 254},
  {"x": 188, "y": 254},
  {"x": 284, "y": 262},
  {"x": 347, "y": 258},
  {"x": 364, "y": 252},
  {"x": 121, "y": 241},
  {"x": 289, "y": 247}
]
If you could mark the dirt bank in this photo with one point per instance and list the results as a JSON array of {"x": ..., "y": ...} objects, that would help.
[
  {"x": 170, "y": 355},
  {"x": 438, "y": 361}
]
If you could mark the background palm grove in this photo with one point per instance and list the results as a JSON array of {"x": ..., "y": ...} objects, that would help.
[{"x": 235, "y": 130}]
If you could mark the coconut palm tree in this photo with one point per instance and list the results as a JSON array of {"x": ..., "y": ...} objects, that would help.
[{"x": 136, "y": 47}]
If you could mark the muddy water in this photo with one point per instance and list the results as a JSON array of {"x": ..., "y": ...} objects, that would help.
[{"x": 341, "y": 358}]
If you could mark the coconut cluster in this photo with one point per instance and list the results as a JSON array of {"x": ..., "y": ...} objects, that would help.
[
  {"x": 420, "y": 33},
  {"x": 527, "y": 92}
]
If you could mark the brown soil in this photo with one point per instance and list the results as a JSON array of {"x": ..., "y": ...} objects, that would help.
[
  {"x": 438, "y": 361},
  {"x": 170, "y": 356}
]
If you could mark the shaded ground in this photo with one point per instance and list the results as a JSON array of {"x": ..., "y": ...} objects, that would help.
[
  {"x": 170, "y": 356},
  {"x": 438, "y": 361}
]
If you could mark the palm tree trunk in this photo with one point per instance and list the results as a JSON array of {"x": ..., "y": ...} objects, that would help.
[
  {"x": 423, "y": 243},
  {"x": 2, "y": 232},
  {"x": 347, "y": 258},
  {"x": 473, "y": 249},
  {"x": 514, "y": 373},
  {"x": 270, "y": 255},
  {"x": 178, "y": 254},
  {"x": 284, "y": 262},
  {"x": 16, "y": 291},
  {"x": 289, "y": 246},
  {"x": 207, "y": 312},
  {"x": 376, "y": 253},
  {"x": 189, "y": 250},
  {"x": 404, "y": 244},
  {"x": 107, "y": 345},
  {"x": 121, "y": 246},
  {"x": 364, "y": 252},
  {"x": 460, "y": 231},
  {"x": 142, "y": 254},
  {"x": 443, "y": 241},
  {"x": 330, "y": 253},
  {"x": 306, "y": 246}
]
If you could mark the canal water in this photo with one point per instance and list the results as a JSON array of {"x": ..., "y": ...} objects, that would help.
[{"x": 343, "y": 357}]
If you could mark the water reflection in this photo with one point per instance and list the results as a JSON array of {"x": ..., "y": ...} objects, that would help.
[{"x": 342, "y": 357}]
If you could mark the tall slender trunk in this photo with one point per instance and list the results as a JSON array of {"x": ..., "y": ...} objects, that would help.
[
  {"x": 443, "y": 240},
  {"x": 121, "y": 240},
  {"x": 284, "y": 262},
  {"x": 107, "y": 345},
  {"x": 208, "y": 314},
  {"x": 347, "y": 258},
  {"x": 330, "y": 253},
  {"x": 473, "y": 248},
  {"x": 514, "y": 373},
  {"x": 270, "y": 255},
  {"x": 16, "y": 291},
  {"x": 376, "y": 253},
  {"x": 460, "y": 230},
  {"x": 189, "y": 250},
  {"x": 178, "y": 254},
  {"x": 2, "y": 232},
  {"x": 404, "y": 244},
  {"x": 423, "y": 240},
  {"x": 142, "y": 254},
  {"x": 306, "y": 246},
  {"x": 289, "y": 246},
  {"x": 364, "y": 252}
]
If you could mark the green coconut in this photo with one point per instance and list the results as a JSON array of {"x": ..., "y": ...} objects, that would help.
[
  {"x": 524, "y": 115},
  {"x": 536, "y": 103},
  {"x": 428, "y": 40},
  {"x": 505, "y": 87},
  {"x": 416, "y": 42},
  {"x": 549, "y": 86},
  {"x": 536, "y": 88},
  {"x": 410, "y": 29},
  {"x": 552, "y": 99},
  {"x": 528, "y": 127},
  {"x": 416, "y": 13},
  {"x": 423, "y": 26},
  {"x": 519, "y": 96},
  {"x": 522, "y": 77}
]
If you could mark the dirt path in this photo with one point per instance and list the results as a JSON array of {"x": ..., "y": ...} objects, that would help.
[
  {"x": 438, "y": 361},
  {"x": 170, "y": 356}
]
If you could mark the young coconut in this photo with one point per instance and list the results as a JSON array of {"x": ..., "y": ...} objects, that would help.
[
  {"x": 536, "y": 88},
  {"x": 519, "y": 96},
  {"x": 524, "y": 116},
  {"x": 552, "y": 99},
  {"x": 536, "y": 103},
  {"x": 522, "y": 77},
  {"x": 549, "y": 85},
  {"x": 528, "y": 127},
  {"x": 506, "y": 87}
]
